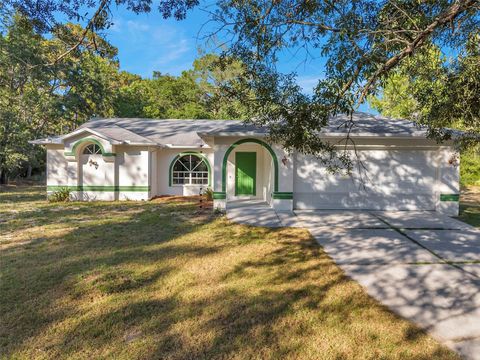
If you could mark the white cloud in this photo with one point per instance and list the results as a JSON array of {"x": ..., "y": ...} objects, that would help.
[
  {"x": 148, "y": 43},
  {"x": 137, "y": 26},
  {"x": 307, "y": 83},
  {"x": 174, "y": 51},
  {"x": 117, "y": 25}
]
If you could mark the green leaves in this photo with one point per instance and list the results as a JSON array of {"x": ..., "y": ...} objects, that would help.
[
  {"x": 38, "y": 100},
  {"x": 196, "y": 94},
  {"x": 434, "y": 90},
  {"x": 440, "y": 93},
  {"x": 164, "y": 96},
  {"x": 40, "y": 96},
  {"x": 358, "y": 44}
]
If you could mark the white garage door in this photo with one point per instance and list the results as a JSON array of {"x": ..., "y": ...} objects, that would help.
[{"x": 393, "y": 180}]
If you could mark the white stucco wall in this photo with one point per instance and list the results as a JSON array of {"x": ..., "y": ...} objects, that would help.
[
  {"x": 404, "y": 174},
  {"x": 397, "y": 176},
  {"x": 448, "y": 181},
  {"x": 164, "y": 158},
  {"x": 93, "y": 171},
  {"x": 133, "y": 166},
  {"x": 267, "y": 176},
  {"x": 60, "y": 172},
  {"x": 152, "y": 174},
  {"x": 124, "y": 176}
]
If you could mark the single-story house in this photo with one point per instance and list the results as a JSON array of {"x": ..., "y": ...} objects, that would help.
[{"x": 138, "y": 159}]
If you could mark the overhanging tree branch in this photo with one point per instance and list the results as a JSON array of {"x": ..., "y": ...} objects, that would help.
[
  {"x": 447, "y": 17},
  {"x": 90, "y": 27}
]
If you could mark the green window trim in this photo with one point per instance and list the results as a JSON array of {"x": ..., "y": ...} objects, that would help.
[
  {"x": 243, "y": 141},
  {"x": 199, "y": 154},
  {"x": 103, "y": 188},
  {"x": 219, "y": 195},
  {"x": 282, "y": 195},
  {"x": 450, "y": 197},
  {"x": 88, "y": 140}
]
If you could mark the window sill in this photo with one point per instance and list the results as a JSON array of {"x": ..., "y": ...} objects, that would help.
[{"x": 189, "y": 185}]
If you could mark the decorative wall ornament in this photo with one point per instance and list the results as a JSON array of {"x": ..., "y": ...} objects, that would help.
[
  {"x": 454, "y": 160},
  {"x": 93, "y": 163}
]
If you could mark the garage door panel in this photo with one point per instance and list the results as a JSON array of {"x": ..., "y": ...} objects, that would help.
[
  {"x": 359, "y": 201},
  {"x": 392, "y": 180}
]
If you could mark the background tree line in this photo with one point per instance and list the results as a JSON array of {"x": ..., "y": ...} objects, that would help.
[
  {"x": 40, "y": 97},
  {"x": 54, "y": 76}
]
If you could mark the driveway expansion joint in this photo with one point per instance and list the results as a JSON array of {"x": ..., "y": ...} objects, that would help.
[
  {"x": 423, "y": 266},
  {"x": 442, "y": 259}
]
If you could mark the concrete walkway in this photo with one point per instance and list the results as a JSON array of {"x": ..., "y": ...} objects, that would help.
[
  {"x": 253, "y": 212},
  {"x": 422, "y": 265}
]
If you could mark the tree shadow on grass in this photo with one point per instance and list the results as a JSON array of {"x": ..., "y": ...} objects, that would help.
[
  {"x": 291, "y": 302},
  {"x": 470, "y": 206},
  {"x": 287, "y": 300},
  {"x": 101, "y": 258},
  {"x": 16, "y": 194},
  {"x": 259, "y": 324}
]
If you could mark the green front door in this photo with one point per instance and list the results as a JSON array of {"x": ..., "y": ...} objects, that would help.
[{"x": 245, "y": 173}]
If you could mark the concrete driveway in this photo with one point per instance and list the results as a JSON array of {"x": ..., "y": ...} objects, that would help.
[{"x": 422, "y": 265}]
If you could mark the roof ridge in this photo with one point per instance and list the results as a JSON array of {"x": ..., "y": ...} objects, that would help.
[
  {"x": 159, "y": 119},
  {"x": 133, "y": 132}
]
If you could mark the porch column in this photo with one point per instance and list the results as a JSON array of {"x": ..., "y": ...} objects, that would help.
[
  {"x": 219, "y": 194},
  {"x": 282, "y": 198}
]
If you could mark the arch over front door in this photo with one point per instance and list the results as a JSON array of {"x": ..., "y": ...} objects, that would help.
[{"x": 243, "y": 141}]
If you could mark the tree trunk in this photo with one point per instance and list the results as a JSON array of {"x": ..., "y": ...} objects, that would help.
[
  {"x": 3, "y": 177},
  {"x": 29, "y": 171}
]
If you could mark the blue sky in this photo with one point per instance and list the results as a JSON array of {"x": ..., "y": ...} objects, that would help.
[{"x": 147, "y": 43}]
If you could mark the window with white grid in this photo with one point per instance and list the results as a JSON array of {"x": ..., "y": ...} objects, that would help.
[
  {"x": 92, "y": 149},
  {"x": 190, "y": 170}
]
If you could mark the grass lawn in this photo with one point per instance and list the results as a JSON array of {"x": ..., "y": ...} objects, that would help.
[
  {"x": 162, "y": 279},
  {"x": 470, "y": 206}
]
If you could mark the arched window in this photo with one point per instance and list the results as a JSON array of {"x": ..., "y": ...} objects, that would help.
[
  {"x": 92, "y": 149},
  {"x": 190, "y": 169}
]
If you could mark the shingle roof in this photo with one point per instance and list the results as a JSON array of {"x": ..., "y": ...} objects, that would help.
[
  {"x": 180, "y": 132},
  {"x": 119, "y": 134},
  {"x": 183, "y": 132},
  {"x": 367, "y": 125}
]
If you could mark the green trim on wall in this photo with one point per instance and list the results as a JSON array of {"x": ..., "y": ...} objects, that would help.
[
  {"x": 88, "y": 140},
  {"x": 219, "y": 195},
  {"x": 450, "y": 197},
  {"x": 202, "y": 155},
  {"x": 282, "y": 195},
  {"x": 243, "y": 141},
  {"x": 106, "y": 188}
]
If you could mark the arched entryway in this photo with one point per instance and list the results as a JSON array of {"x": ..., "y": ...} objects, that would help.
[{"x": 246, "y": 165}]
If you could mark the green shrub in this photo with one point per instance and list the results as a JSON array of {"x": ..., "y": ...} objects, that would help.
[
  {"x": 208, "y": 194},
  {"x": 61, "y": 195},
  {"x": 470, "y": 167}
]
